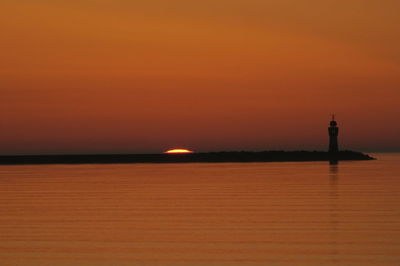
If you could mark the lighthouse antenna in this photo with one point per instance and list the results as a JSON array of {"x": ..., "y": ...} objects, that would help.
[{"x": 333, "y": 117}]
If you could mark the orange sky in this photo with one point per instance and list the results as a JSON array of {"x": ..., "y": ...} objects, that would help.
[{"x": 93, "y": 76}]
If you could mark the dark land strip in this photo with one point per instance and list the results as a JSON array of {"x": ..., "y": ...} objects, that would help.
[{"x": 210, "y": 157}]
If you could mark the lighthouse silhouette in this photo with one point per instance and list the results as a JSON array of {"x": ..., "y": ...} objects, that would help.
[{"x": 333, "y": 136}]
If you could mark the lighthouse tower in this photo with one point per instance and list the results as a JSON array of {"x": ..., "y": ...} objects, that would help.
[{"x": 333, "y": 136}]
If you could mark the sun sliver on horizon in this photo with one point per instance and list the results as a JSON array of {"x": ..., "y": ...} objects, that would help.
[{"x": 180, "y": 150}]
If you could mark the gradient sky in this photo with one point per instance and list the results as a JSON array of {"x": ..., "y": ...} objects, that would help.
[{"x": 94, "y": 76}]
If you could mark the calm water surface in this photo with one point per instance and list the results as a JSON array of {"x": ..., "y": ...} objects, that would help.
[{"x": 202, "y": 214}]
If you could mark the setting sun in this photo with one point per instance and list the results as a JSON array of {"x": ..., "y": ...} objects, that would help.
[{"x": 179, "y": 151}]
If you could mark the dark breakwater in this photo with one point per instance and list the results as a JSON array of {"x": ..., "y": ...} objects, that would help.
[{"x": 210, "y": 157}]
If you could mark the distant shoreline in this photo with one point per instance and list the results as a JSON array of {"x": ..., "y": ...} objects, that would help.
[{"x": 210, "y": 157}]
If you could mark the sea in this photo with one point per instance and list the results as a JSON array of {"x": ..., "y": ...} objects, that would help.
[{"x": 286, "y": 213}]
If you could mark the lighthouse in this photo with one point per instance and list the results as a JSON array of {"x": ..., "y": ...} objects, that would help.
[{"x": 333, "y": 136}]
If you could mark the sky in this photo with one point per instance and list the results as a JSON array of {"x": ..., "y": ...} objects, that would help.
[{"x": 126, "y": 76}]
